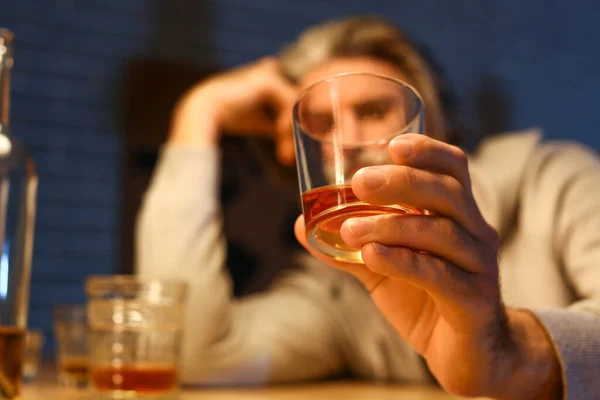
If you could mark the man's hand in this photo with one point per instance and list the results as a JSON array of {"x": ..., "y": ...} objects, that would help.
[
  {"x": 253, "y": 99},
  {"x": 435, "y": 277}
]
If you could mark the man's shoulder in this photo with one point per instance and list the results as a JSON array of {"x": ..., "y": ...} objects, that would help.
[
  {"x": 522, "y": 169},
  {"x": 507, "y": 146},
  {"x": 526, "y": 153}
]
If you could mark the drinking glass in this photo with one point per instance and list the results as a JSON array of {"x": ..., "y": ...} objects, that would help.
[
  {"x": 342, "y": 124},
  {"x": 136, "y": 326},
  {"x": 70, "y": 328}
]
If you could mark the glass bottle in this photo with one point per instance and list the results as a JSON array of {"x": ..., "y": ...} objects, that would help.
[{"x": 18, "y": 188}]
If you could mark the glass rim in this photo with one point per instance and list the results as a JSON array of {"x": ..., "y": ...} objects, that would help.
[
  {"x": 419, "y": 112},
  {"x": 124, "y": 280}
]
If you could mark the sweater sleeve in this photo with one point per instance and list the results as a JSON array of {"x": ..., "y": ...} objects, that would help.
[
  {"x": 575, "y": 335},
  {"x": 575, "y": 331},
  {"x": 281, "y": 335}
]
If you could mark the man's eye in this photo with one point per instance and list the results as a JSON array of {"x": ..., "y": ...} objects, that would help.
[
  {"x": 372, "y": 112},
  {"x": 321, "y": 124}
]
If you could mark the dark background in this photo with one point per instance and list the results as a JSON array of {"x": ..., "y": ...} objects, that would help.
[{"x": 94, "y": 79}]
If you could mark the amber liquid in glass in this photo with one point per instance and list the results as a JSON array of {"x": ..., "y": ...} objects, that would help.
[
  {"x": 74, "y": 370},
  {"x": 325, "y": 210},
  {"x": 12, "y": 342},
  {"x": 138, "y": 378}
]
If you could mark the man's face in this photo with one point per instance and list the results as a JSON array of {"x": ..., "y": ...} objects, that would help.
[
  {"x": 364, "y": 114},
  {"x": 358, "y": 109},
  {"x": 353, "y": 117}
]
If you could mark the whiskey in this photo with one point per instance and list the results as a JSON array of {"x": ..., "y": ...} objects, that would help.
[
  {"x": 139, "y": 378},
  {"x": 325, "y": 210},
  {"x": 12, "y": 346},
  {"x": 74, "y": 371}
]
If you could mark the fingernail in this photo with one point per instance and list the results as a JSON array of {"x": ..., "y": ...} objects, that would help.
[
  {"x": 360, "y": 227},
  {"x": 373, "y": 177},
  {"x": 381, "y": 249},
  {"x": 402, "y": 147}
]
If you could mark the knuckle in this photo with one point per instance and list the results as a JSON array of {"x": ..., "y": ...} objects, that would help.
[
  {"x": 424, "y": 150},
  {"x": 460, "y": 155},
  {"x": 447, "y": 273},
  {"x": 268, "y": 61},
  {"x": 264, "y": 71},
  {"x": 464, "y": 289},
  {"x": 421, "y": 144},
  {"x": 461, "y": 195},
  {"x": 414, "y": 262},
  {"x": 454, "y": 192},
  {"x": 447, "y": 229},
  {"x": 409, "y": 178},
  {"x": 407, "y": 260},
  {"x": 453, "y": 280},
  {"x": 437, "y": 270},
  {"x": 415, "y": 225},
  {"x": 401, "y": 225}
]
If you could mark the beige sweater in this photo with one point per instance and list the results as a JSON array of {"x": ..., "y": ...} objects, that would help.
[{"x": 543, "y": 198}]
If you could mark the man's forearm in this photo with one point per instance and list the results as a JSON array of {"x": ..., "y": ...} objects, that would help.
[{"x": 195, "y": 123}]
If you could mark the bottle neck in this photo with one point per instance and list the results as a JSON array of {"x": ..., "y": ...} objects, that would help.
[{"x": 6, "y": 63}]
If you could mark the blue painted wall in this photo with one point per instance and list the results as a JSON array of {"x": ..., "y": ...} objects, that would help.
[{"x": 536, "y": 60}]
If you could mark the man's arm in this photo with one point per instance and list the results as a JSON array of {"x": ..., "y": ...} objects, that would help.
[
  {"x": 282, "y": 335},
  {"x": 179, "y": 235},
  {"x": 573, "y": 174},
  {"x": 435, "y": 277}
]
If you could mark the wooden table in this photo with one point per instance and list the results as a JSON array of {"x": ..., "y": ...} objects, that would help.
[
  {"x": 313, "y": 391},
  {"x": 45, "y": 388}
]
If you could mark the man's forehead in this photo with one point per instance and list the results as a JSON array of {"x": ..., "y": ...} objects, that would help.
[
  {"x": 328, "y": 97},
  {"x": 347, "y": 65}
]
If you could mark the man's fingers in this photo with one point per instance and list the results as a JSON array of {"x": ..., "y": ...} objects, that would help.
[
  {"x": 368, "y": 278},
  {"x": 285, "y": 151},
  {"x": 438, "y": 277},
  {"x": 420, "y": 189},
  {"x": 284, "y": 139},
  {"x": 422, "y": 152},
  {"x": 439, "y": 236}
]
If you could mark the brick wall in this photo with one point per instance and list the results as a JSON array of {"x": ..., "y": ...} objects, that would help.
[
  {"x": 531, "y": 63},
  {"x": 66, "y": 86}
]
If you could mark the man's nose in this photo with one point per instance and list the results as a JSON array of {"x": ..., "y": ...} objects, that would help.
[{"x": 350, "y": 129}]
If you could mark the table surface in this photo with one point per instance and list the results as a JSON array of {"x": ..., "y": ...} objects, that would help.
[
  {"x": 313, "y": 391},
  {"x": 45, "y": 388}
]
